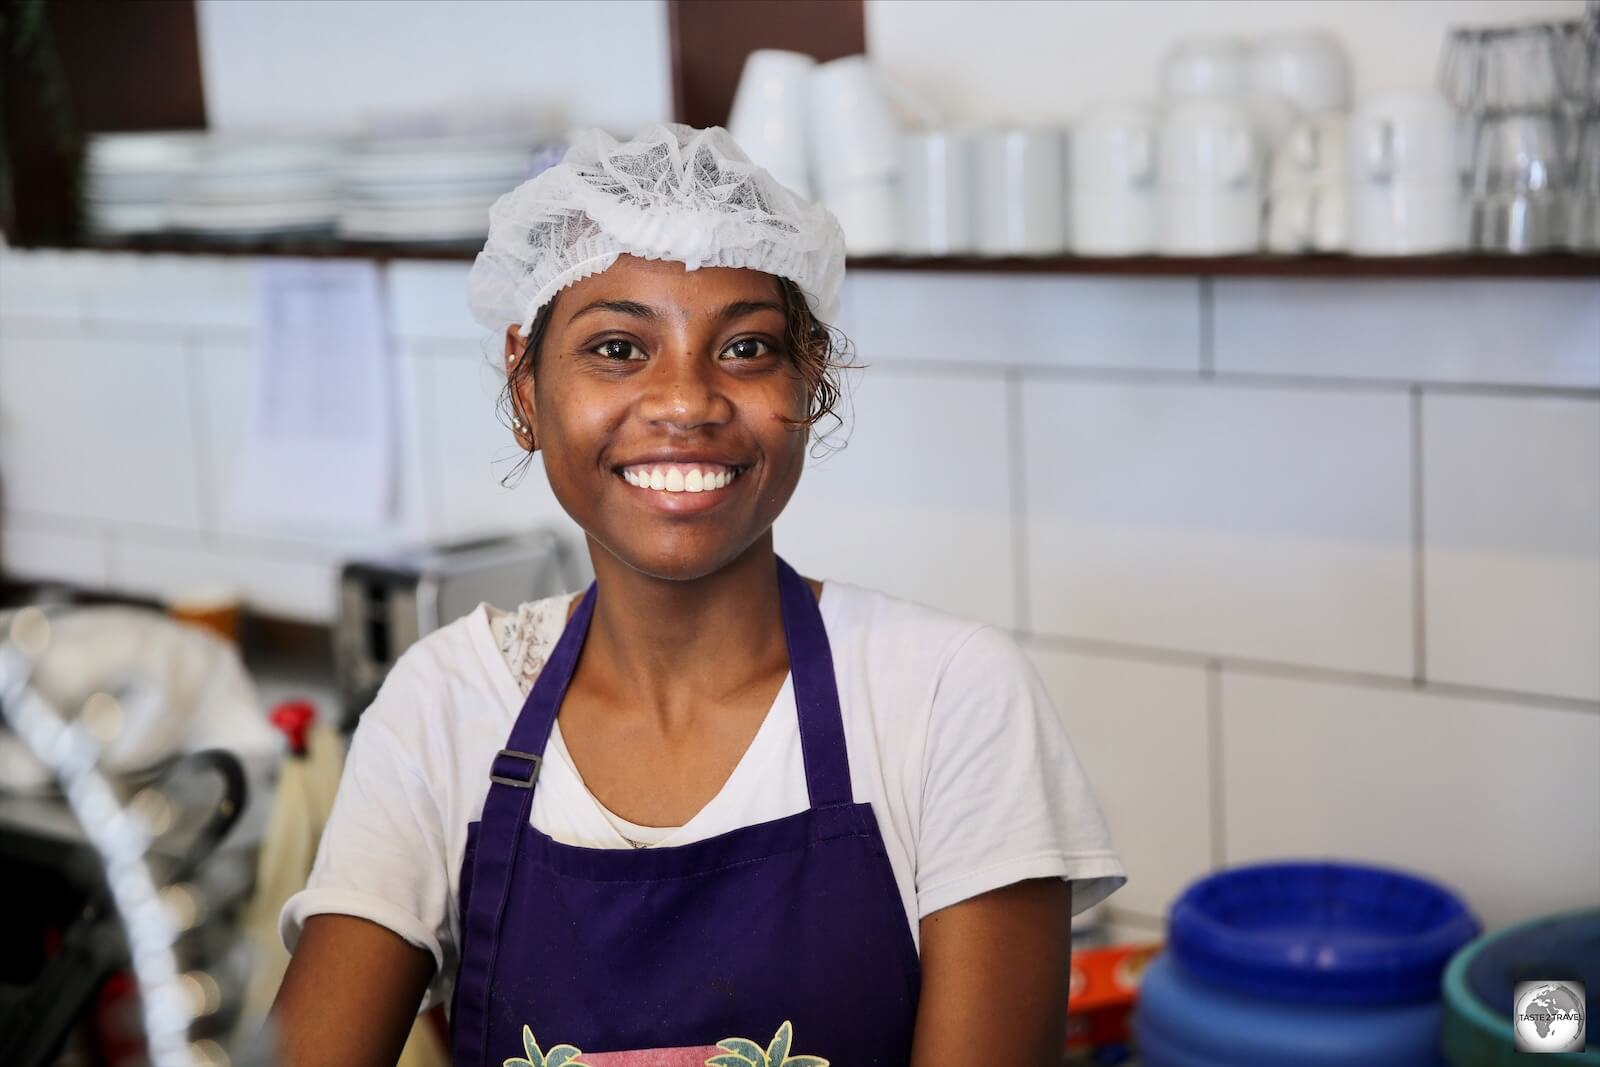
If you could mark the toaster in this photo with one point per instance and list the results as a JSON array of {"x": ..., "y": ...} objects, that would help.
[{"x": 386, "y": 604}]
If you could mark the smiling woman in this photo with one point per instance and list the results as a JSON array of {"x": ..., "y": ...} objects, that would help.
[{"x": 708, "y": 811}]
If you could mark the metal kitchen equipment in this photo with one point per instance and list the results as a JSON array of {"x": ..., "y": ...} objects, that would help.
[{"x": 386, "y": 604}]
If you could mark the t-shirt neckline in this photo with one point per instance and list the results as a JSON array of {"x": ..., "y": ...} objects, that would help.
[{"x": 766, "y": 736}]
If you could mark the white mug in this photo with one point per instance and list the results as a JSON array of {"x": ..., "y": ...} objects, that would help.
[
  {"x": 936, "y": 193},
  {"x": 1404, "y": 218},
  {"x": 1408, "y": 137},
  {"x": 1205, "y": 65},
  {"x": 868, "y": 213},
  {"x": 1111, "y": 182},
  {"x": 1307, "y": 68},
  {"x": 1020, "y": 191},
  {"x": 1210, "y": 178},
  {"x": 771, "y": 115},
  {"x": 1310, "y": 217},
  {"x": 1315, "y": 150},
  {"x": 854, "y": 135},
  {"x": 1209, "y": 142}
]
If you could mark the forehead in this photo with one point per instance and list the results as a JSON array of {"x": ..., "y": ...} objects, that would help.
[{"x": 665, "y": 283}]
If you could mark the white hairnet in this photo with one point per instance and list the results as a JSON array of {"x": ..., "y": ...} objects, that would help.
[{"x": 673, "y": 192}]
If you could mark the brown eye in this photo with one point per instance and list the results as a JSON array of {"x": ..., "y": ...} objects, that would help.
[
  {"x": 618, "y": 349},
  {"x": 747, "y": 348}
]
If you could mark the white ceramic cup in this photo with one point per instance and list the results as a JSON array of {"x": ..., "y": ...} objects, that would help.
[
  {"x": 1204, "y": 66},
  {"x": 1307, "y": 68},
  {"x": 854, "y": 135},
  {"x": 936, "y": 193},
  {"x": 1412, "y": 138},
  {"x": 1405, "y": 218},
  {"x": 1308, "y": 217},
  {"x": 1020, "y": 191},
  {"x": 771, "y": 115},
  {"x": 1210, "y": 178},
  {"x": 1314, "y": 150},
  {"x": 1111, "y": 181},
  {"x": 868, "y": 213},
  {"x": 1209, "y": 142}
]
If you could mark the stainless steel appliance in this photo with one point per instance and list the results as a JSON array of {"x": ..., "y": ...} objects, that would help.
[{"x": 386, "y": 604}]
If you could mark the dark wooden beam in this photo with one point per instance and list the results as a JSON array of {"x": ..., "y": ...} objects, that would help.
[
  {"x": 90, "y": 66},
  {"x": 711, "y": 38}
]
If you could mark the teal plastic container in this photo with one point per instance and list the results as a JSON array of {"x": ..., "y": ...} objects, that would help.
[{"x": 1480, "y": 981}]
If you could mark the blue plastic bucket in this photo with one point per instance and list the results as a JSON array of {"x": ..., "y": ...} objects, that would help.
[{"x": 1317, "y": 964}]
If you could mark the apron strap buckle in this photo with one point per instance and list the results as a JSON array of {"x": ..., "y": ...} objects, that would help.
[{"x": 522, "y": 778}]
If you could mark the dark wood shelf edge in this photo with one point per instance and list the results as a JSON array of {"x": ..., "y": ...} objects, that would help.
[{"x": 1455, "y": 265}]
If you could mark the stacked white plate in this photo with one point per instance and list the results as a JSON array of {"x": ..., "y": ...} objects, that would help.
[
  {"x": 249, "y": 186},
  {"x": 130, "y": 179},
  {"x": 431, "y": 188}
]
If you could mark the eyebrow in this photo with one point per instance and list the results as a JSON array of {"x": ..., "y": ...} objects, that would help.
[{"x": 634, "y": 309}]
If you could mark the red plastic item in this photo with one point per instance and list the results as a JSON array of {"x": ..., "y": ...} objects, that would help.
[
  {"x": 1105, "y": 987},
  {"x": 294, "y": 718}
]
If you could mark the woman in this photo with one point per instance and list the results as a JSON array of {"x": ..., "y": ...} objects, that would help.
[{"x": 778, "y": 821}]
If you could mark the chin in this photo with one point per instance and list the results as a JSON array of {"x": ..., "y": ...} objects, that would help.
[{"x": 672, "y": 559}]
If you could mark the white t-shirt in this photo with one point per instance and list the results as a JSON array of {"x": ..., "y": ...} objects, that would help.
[{"x": 950, "y": 735}]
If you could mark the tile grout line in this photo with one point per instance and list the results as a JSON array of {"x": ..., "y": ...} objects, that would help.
[
  {"x": 1309, "y": 383},
  {"x": 193, "y": 367},
  {"x": 1208, "y": 331},
  {"x": 1156, "y": 654},
  {"x": 1016, "y": 444},
  {"x": 1419, "y": 589},
  {"x": 1219, "y": 849}
]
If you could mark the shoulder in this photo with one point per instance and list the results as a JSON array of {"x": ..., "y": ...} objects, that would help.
[
  {"x": 445, "y": 680},
  {"x": 888, "y": 631}
]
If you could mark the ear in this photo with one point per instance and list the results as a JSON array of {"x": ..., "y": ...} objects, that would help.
[{"x": 522, "y": 404}]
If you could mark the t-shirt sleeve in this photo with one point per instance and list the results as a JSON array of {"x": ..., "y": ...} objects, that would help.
[
  {"x": 1004, "y": 796},
  {"x": 382, "y": 852}
]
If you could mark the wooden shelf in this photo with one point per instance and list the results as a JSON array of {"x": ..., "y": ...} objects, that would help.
[{"x": 1457, "y": 265}]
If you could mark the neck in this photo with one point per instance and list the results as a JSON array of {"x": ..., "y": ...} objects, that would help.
[{"x": 675, "y": 648}]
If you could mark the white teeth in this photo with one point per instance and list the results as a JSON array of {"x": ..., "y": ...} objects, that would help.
[{"x": 678, "y": 480}]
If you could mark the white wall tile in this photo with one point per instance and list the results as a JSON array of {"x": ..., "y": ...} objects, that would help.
[
  {"x": 1457, "y": 790},
  {"x": 1525, "y": 331},
  {"x": 225, "y": 370},
  {"x": 1512, "y": 528},
  {"x": 1020, "y": 319},
  {"x": 58, "y": 550},
  {"x": 467, "y": 450},
  {"x": 429, "y": 300},
  {"x": 917, "y": 504},
  {"x": 1140, "y": 731},
  {"x": 1253, "y": 522},
  {"x": 190, "y": 293},
  {"x": 98, "y": 429},
  {"x": 41, "y": 285},
  {"x": 288, "y": 584}
]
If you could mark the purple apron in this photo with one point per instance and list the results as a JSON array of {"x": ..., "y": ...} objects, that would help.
[{"x": 783, "y": 939}]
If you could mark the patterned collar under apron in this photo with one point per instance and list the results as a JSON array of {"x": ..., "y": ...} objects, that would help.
[{"x": 783, "y": 944}]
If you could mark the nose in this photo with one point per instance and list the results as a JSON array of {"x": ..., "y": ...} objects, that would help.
[{"x": 682, "y": 392}]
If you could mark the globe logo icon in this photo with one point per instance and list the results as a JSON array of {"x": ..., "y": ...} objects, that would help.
[{"x": 1548, "y": 1016}]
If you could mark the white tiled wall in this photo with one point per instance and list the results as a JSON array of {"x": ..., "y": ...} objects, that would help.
[{"x": 1316, "y": 572}]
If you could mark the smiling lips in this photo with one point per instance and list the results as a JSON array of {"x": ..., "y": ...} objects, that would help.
[{"x": 680, "y": 477}]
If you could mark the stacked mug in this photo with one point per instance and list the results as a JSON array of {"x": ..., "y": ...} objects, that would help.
[
  {"x": 1308, "y": 75},
  {"x": 827, "y": 132},
  {"x": 1406, "y": 192},
  {"x": 856, "y": 158},
  {"x": 1210, "y": 157},
  {"x": 1112, "y": 181},
  {"x": 1209, "y": 164}
]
